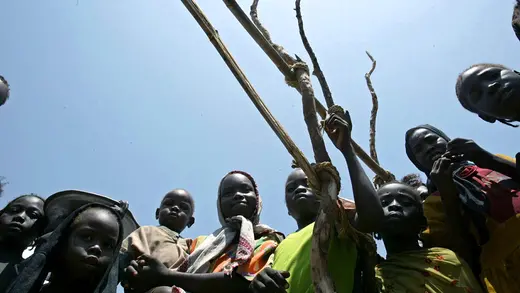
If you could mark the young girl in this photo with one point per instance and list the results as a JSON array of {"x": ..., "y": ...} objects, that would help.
[
  {"x": 227, "y": 260},
  {"x": 80, "y": 255},
  {"x": 410, "y": 267},
  {"x": 21, "y": 221}
]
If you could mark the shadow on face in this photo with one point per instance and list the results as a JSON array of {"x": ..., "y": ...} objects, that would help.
[
  {"x": 176, "y": 210},
  {"x": 237, "y": 196},
  {"x": 301, "y": 202},
  {"x": 402, "y": 206},
  {"x": 491, "y": 91},
  {"x": 91, "y": 244},
  {"x": 427, "y": 146},
  {"x": 22, "y": 220}
]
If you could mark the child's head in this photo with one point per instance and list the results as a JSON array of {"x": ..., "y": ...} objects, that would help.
[
  {"x": 176, "y": 210},
  {"x": 424, "y": 145},
  {"x": 490, "y": 90},
  {"x": 90, "y": 245},
  {"x": 21, "y": 221},
  {"x": 238, "y": 196},
  {"x": 403, "y": 211},
  {"x": 302, "y": 203}
]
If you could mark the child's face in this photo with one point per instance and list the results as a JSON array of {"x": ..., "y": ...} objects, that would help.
[
  {"x": 19, "y": 220},
  {"x": 401, "y": 206},
  {"x": 91, "y": 244},
  {"x": 176, "y": 210},
  {"x": 301, "y": 202},
  {"x": 237, "y": 196},
  {"x": 492, "y": 91}
]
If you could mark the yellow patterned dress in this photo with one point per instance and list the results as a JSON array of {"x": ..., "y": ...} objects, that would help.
[{"x": 433, "y": 270}]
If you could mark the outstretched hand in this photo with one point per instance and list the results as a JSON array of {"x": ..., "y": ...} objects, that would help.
[
  {"x": 270, "y": 281},
  {"x": 339, "y": 130}
]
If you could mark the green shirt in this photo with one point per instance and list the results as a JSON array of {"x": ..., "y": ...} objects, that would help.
[{"x": 294, "y": 255}]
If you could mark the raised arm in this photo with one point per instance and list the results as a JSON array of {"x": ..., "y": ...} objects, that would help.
[{"x": 369, "y": 213}]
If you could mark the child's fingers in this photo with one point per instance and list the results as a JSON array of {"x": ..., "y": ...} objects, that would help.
[{"x": 130, "y": 270}]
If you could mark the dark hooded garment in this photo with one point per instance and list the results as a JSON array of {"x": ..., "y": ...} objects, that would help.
[
  {"x": 33, "y": 272},
  {"x": 409, "y": 151}
]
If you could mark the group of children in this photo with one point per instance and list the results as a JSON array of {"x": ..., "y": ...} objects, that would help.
[{"x": 457, "y": 232}]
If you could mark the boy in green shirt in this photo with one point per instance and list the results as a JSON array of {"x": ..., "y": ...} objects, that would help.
[{"x": 291, "y": 268}]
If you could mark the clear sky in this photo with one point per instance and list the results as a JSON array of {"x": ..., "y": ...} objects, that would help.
[{"x": 129, "y": 98}]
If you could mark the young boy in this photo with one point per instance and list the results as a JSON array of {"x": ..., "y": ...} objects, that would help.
[
  {"x": 291, "y": 269},
  {"x": 174, "y": 214}
]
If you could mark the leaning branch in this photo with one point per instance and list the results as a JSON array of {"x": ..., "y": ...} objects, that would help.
[
  {"x": 317, "y": 69},
  {"x": 213, "y": 36}
]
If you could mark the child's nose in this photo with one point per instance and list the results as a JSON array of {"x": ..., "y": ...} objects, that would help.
[{"x": 95, "y": 250}]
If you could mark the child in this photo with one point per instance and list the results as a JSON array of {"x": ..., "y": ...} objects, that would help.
[
  {"x": 474, "y": 205},
  {"x": 228, "y": 259},
  {"x": 163, "y": 242},
  {"x": 410, "y": 267},
  {"x": 80, "y": 254},
  {"x": 490, "y": 90},
  {"x": 347, "y": 258},
  {"x": 21, "y": 221}
]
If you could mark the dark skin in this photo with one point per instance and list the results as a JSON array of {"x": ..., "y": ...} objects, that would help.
[
  {"x": 491, "y": 92},
  {"x": 428, "y": 147},
  {"x": 176, "y": 210},
  {"x": 369, "y": 214},
  {"x": 403, "y": 218},
  {"x": 89, "y": 250},
  {"x": 20, "y": 224},
  {"x": 237, "y": 197},
  {"x": 302, "y": 203}
]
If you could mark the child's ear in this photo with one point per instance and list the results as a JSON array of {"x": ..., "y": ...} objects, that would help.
[
  {"x": 157, "y": 214},
  {"x": 191, "y": 222}
]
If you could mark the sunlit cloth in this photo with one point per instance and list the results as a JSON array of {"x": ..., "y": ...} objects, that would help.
[
  {"x": 433, "y": 270},
  {"x": 264, "y": 247},
  {"x": 159, "y": 242},
  {"x": 500, "y": 257}
]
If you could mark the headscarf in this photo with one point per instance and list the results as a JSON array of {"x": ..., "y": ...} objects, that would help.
[
  {"x": 216, "y": 244},
  {"x": 409, "y": 150},
  {"x": 33, "y": 272}
]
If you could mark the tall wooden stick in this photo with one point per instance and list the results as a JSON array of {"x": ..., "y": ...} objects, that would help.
[{"x": 213, "y": 36}]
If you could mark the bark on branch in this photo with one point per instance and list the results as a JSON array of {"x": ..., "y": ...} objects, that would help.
[{"x": 317, "y": 69}]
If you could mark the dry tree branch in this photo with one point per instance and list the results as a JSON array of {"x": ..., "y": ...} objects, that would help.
[
  {"x": 317, "y": 69},
  {"x": 375, "y": 107},
  {"x": 256, "y": 21}
]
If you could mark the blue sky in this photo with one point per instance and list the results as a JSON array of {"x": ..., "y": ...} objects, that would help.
[{"x": 129, "y": 98}]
